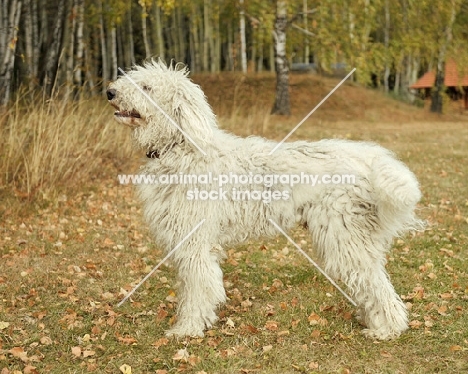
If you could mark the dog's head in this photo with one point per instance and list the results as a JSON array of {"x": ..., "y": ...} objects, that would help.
[{"x": 162, "y": 106}]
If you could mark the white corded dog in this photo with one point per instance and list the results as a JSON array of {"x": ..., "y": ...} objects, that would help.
[{"x": 351, "y": 224}]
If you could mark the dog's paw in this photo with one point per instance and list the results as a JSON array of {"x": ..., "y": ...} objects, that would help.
[
  {"x": 185, "y": 329},
  {"x": 381, "y": 334}
]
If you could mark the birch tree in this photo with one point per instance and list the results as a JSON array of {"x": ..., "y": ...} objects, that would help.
[
  {"x": 282, "y": 103},
  {"x": 8, "y": 39},
  {"x": 243, "y": 44}
]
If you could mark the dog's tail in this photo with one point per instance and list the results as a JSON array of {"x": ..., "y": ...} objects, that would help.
[{"x": 397, "y": 193}]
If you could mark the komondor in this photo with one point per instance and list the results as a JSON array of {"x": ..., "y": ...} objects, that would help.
[{"x": 352, "y": 197}]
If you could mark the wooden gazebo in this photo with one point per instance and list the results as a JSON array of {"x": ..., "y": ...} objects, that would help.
[{"x": 458, "y": 87}]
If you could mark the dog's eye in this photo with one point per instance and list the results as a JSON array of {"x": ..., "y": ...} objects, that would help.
[{"x": 147, "y": 88}]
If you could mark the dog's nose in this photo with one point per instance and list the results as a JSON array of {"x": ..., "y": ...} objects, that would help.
[{"x": 110, "y": 93}]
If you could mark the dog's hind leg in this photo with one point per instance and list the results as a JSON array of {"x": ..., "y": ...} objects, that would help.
[
  {"x": 200, "y": 292},
  {"x": 351, "y": 247}
]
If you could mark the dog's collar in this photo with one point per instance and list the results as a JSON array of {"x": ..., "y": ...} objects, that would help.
[
  {"x": 157, "y": 154},
  {"x": 153, "y": 154}
]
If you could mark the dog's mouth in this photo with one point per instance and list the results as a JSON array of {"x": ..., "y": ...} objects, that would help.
[
  {"x": 130, "y": 118},
  {"x": 127, "y": 114}
]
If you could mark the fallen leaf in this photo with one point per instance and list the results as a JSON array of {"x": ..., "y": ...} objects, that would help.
[
  {"x": 267, "y": 348},
  {"x": 4, "y": 325},
  {"x": 45, "y": 340},
  {"x": 19, "y": 352},
  {"x": 446, "y": 295},
  {"x": 28, "y": 369},
  {"x": 76, "y": 351},
  {"x": 162, "y": 341},
  {"x": 125, "y": 369},
  {"x": 181, "y": 355},
  {"x": 456, "y": 348},
  {"x": 249, "y": 328},
  {"x": 442, "y": 310},
  {"x": 315, "y": 334},
  {"x": 428, "y": 323},
  {"x": 88, "y": 353},
  {"x": 313, "y": 319},
  {"x": 230, "y": 323},
  {"x": 415, "y": 324},
  {"x": 171, "y": 297},
  {"x": 313, "y": 365},
  {"x": 271, "y": 325},
  {"x": 295, "y": 322},
  {"x": 347, "y": 316},
  {"x": 126, "y": 340},
  {"x": 194, "y": 360},
  {"x": 386, "y": 354},
  {"x": 107, "y": 296}
]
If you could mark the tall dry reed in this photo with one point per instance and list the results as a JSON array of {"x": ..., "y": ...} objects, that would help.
[{"x": 52, "y": 144}]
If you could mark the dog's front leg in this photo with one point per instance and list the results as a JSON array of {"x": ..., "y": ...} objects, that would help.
[{"x": 200, "y": 292}]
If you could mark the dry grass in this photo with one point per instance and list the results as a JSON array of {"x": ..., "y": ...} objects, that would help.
[
  {"x": 64, "y": 265},
  {"x": 55, "y": 144}
]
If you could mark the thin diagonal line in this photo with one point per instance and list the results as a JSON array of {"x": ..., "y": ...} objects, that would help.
[
  {"x": 162, "y": 111},
  {"x": 312, "y": 262},
  {"x": 161, "y": 262},
  {"x": 311, "y": 112}
]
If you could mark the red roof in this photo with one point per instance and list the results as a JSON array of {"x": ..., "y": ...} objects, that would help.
[{"x": 450, "y": 79}]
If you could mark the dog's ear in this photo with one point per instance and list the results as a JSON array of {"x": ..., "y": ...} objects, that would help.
[{"x": 195, "y": 118}]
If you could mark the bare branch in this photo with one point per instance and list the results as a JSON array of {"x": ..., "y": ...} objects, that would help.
[{"x": 307, "y": 32}]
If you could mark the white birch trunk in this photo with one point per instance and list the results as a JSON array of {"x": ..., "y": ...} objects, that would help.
[
  {"x": 243, "y": 44},
  {"x": 386, "y": 45},
  {"x": 144, "y": 28},
  {"x": 104, "y": 60},
  {"x": 6, "y": 69},
  {"x": 79, "y": 42},
  {"x": 159, "y": 33},
  {"x": 282, "y": 104},
  {"x": 113, "y": 44}
]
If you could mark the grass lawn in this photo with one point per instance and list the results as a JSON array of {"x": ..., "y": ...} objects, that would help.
[{"x": 67, "y": 258}]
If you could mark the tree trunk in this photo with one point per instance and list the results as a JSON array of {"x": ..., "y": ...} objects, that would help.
[
  {"x": 437, "y": 97},
  {"x": 261, "y": 32},
  {"x": 131, "y": 45},
  {"x": 52, "y": 58},
  {"x": 272, "y": 57},
  {"x": 306, "y": 37},
  {"x": 181, "y": 35},
  {"x": 282, "y": 104},
  {"x": 104, "y": 60},
  {"x": 10, "y": 21},
  {"x": 159, "y": 30},
  {"x": 69, "y": 47},
  {"x": 208, "y": 35},
  {"x": 195, "y": 38},
  {"x": 214, "y": 41},
  {"x": 386, "y": 45},
  {"x": 30, "y": 59},
  {"x": 174, "y": 36},
  {"x": 253, "y": 57},
  {"x": 79, "y": 43},
  {"x": 144, "y": 28},
  {"x": 243, "y": 43},
  {"x": 437, "y": 91},
  {"x": 113, "y": 51},
  {"x": 230, "y": 45}
]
